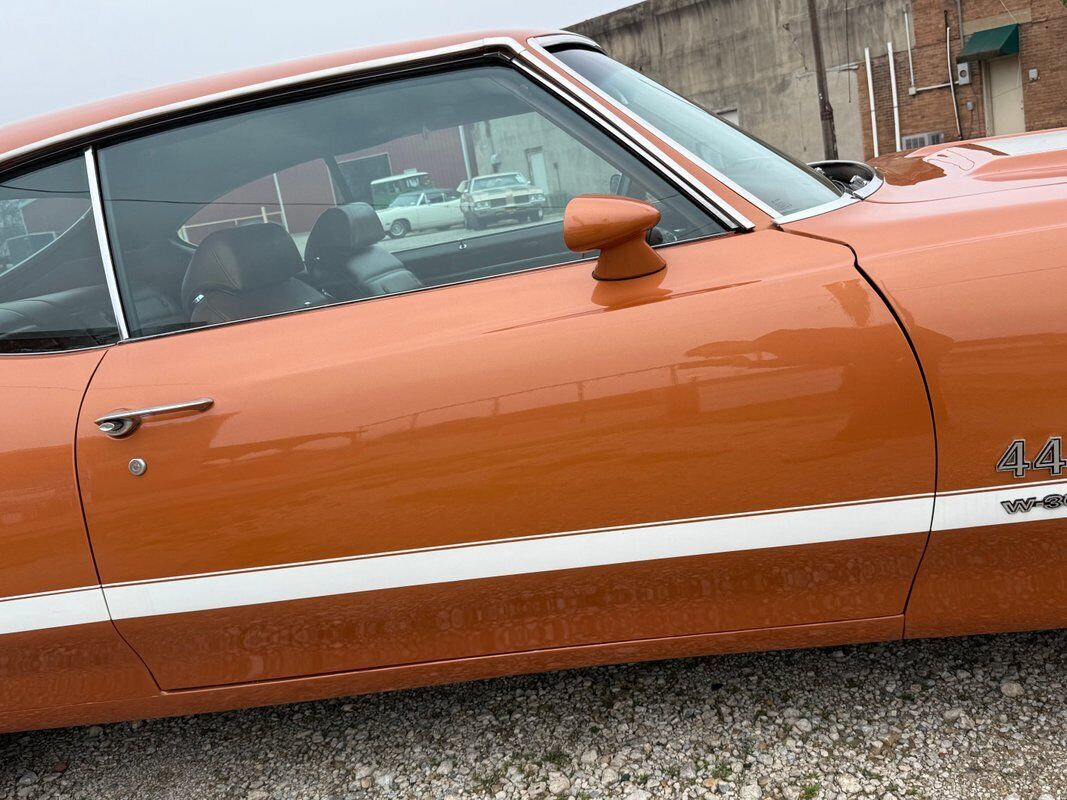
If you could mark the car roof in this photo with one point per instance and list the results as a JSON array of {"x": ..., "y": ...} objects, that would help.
[
  {"x": 17, "y": 138},
  {"x": 398, "y": 177}
]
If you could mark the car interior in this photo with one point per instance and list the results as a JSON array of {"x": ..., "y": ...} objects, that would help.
[{"x": 56, "y": 298}]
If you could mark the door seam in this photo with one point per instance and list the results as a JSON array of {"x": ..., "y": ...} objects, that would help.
[
  {"x": 85, "y": 522},
  {"x": 877, "y": 289}
]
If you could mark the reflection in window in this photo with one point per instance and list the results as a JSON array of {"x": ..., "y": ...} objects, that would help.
[
  {"x": 53, "y": 295},
  {"x": 358, "y": 194},
  {"x": 785, "y": 185}
]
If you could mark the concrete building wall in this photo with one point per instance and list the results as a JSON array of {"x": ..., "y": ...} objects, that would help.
[
  {"x": 506, "y": 145},
  {"x": 756, "y": 56}
]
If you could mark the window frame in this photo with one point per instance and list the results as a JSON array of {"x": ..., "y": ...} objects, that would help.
[
  {"x": 95, "y": 210},
  {"x": 547, "y": 45},
  {"x": 330, "y": 81}
]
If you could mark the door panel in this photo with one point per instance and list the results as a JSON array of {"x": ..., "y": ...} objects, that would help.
[
  {"x": 57, "y": 645},
  {"x": 979, "y": 286},
  {"x": 350, "y": 488},
  {"x": 1005, "y": 96}
]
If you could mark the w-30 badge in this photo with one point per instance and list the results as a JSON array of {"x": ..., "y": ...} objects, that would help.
[{"x": 1049, "y": 458}]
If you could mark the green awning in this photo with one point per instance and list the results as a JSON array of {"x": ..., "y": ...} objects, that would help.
[{"x": 991, "y": 43}]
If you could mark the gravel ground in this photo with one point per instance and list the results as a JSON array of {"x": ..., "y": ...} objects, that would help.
[{"x": 984, "y": 717}]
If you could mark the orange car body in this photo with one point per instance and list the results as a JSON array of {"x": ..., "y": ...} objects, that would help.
[{"x": 785, "y": 438}]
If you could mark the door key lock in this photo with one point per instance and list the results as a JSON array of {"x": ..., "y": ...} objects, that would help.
[{"x": 138, "y": 467}]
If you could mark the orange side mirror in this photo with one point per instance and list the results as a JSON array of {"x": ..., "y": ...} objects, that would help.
[{"x": 617, "y": 227}]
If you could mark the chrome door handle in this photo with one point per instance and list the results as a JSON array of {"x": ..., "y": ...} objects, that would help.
[{"x": 122, "y": 422}]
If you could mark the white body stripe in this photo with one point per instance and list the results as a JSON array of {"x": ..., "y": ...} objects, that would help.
[
  {"x": 36, "y": 612},
  {"x": 521, "y": 556},
  {"x": 518, "y": 556},
  {"x": 975, "y": 508}
]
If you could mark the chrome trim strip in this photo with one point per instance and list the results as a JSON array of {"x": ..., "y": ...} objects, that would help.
[
  {"x": 774, "y": 214},
  {"x": 31, "y": 354},
  {"x": 104, "y": 243},
  {"x": 256, "y": 88},
  {"x": 814, "y": 211},
  {"x": 553, "y": 39}
]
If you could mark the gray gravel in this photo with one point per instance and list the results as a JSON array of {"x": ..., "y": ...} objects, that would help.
[{"x": 984, "y": 717}]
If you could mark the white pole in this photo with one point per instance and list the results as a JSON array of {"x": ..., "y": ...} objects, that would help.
[
  {"x": 466, "y": 155},
  {"x": 281, "y": 206},
  {"x": 870, "y": 96},
  {"x": 911, "y": 65},
  {"x": 893, "y": 83},
  {"x": 952, "y": 79}
]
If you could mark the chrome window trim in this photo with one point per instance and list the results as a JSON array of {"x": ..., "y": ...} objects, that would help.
[
  {"x": 54, "y": 353},
  {"x": 640, "y": 146},
  {"x": 553, "y": 39},
  {"x": 290, "y": 81},
  {"x": 642, "y": 149},
  {"x": 815, "y": 211},
  {"x": 104, "y": 243},
  {"x": 661, "y": 161},
  {"x": 638, "y": 139},
  {"x": 539, "y": 44}
]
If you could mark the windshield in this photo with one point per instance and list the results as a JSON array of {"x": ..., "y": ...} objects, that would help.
[
  {"x": 782, "y": 183},
  {"x": 498, "y": 182},
  {"x": 403, "y": 200}
]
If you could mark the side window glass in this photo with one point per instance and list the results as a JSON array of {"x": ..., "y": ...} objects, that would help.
[
  {"x": 53, "y": 295},
  {"x": 389, "y": 188},
  {"x": 783, "y": 183}
]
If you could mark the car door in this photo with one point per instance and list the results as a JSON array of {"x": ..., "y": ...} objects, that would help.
[
  {"x": 534, "y": 460},
  {"x": 451, "y": 214},
  {"x": 418, "y": 213},
  {"x": 434, "y": 212},
  {"x": 57, "y": 644}
]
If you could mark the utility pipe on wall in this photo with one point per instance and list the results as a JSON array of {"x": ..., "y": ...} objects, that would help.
[
  {"x": 893, "y": 84},
  {"x": 951, "y": 76},
  {"x": 870, "y": 96},
  {"x": 911, "y": 65}
]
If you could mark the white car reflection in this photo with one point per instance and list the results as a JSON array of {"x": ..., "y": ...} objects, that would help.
[{"x": 421, "y": 210}]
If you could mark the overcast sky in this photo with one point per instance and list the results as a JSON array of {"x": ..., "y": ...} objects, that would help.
[{"x": 61, "y": 53}]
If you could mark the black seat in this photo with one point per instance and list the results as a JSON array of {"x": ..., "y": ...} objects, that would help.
[
  {"x": 344, "y": 257},
  {"x": 246, "y": 272}
]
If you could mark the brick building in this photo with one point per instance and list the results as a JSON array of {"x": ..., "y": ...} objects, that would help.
[{"x": 1007, "y": 61}]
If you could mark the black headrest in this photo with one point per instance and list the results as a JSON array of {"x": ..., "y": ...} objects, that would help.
[
  {"x": 235, "y": 260},
  {"x": 346, "y": 228}
]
